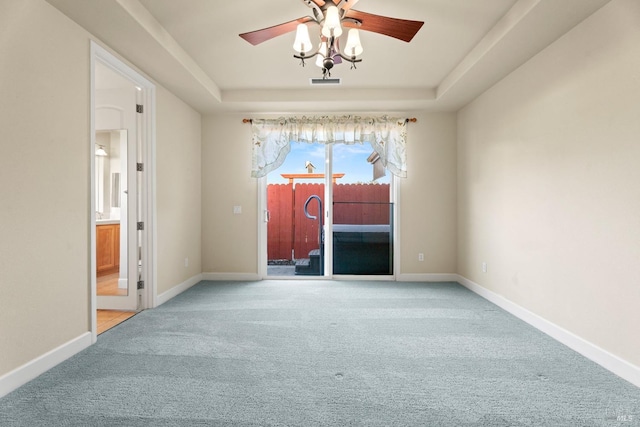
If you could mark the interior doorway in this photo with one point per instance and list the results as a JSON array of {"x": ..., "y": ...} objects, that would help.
[{"x": 122, "y": 206}]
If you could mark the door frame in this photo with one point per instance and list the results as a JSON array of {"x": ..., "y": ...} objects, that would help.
[
  {"x": 328, "y": 214},
  {"x": 145, "y": 133}
]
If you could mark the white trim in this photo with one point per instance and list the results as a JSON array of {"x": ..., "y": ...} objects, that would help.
[
  {"x": 32, "y": 369},
  {"x": 93, "y": 287},
  {"x": 147, "y": 297},
  {"x": 395, "y": 199},
  {"x": 602, "y": 357},
  {"x": 240, "y": 277},
  {"x": 150, "y": 293},
  {"x": 262, "y": 227},
  {"x": 327, "y": 221},
  {"x": 367, "y": 277},
  {"x": 178, "y": 289},
  {"x": 427, "y": 277}
]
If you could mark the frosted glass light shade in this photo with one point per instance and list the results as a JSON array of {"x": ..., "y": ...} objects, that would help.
[
  {"x": 101, "y": 152},
  {"x": 332, "y": 22},
  {"x": 302, "y": 42},
  {"x": 353, "y": 46}
]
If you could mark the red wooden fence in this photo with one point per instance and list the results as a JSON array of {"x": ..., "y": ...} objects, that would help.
[
  {"x": 292, "y": 235},
  {"x": 280, "y": 226},
  {"x": 361, "y": 204}
]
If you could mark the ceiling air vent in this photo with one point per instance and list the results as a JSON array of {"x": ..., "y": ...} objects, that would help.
[{"x": 325, "y": 82}]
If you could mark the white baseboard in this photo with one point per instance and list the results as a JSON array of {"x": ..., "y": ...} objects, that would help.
[
  {"x": 602, "y": 357},
  {"x": 249, "y": 277},
  {"x": 27, "y": 372},
  {"x": 178, "y": 289},
  {"x": 241, "y": 277},
  {"x": 427, "y": 277}
]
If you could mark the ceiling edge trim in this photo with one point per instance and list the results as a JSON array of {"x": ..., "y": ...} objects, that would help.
[
  {"x": 328, "y": 94},
  {"x": 146, "y": 20},
  {"x": 499, "y": 31}
]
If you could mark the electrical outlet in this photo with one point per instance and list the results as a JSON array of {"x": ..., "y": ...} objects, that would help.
[
  {"x": 420, "y": 256},
  {"x": 186, "y": 262},
  {"x": 484, "y": 267},
  {"x": 237, "y": 210}
]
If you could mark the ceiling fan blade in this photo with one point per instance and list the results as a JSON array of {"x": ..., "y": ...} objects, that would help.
[
  {"x": 402, "y": 29},
  {"x": 347, "y": 4},
  {"x": 259, "y": 36}
]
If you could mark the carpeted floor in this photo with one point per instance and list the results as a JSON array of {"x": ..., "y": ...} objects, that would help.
[{"x": 312, "y": 353}]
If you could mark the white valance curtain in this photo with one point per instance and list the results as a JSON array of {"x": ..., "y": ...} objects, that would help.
[{"x": 272, "y": 137}]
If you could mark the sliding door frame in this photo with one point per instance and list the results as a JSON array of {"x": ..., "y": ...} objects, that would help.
[{"x": 263, "y": 216}]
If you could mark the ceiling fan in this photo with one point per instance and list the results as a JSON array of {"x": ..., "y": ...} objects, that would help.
[{"x": 331, "y": 15}]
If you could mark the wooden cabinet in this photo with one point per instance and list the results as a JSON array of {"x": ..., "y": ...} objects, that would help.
[{"x": 108, "y": 248}]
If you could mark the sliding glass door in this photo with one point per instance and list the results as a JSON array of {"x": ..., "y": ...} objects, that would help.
[
  {"x": 362, "y": 220},
  {"x": 328, "y": 211}
]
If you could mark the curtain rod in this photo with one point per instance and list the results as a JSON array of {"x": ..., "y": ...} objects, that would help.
[{"x": 412, "y": 120}]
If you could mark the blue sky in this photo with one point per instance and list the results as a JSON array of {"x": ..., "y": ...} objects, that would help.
[{"x": 348, "y": 159}]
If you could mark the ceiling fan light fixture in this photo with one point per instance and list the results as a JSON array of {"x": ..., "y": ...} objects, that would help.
[
  {"x": 331, "y": 27},
  {"x": 353, "y": 47},
  {"x": 329, "y": 16},
  {"x": 302, "y": 42}
]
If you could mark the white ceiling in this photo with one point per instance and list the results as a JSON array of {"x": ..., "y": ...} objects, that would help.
[{"x": 192, "y": 48}]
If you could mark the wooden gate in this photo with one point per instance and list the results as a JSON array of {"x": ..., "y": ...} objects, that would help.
[
  {"x": 280, "y": 225},
  {"x": 305, "y": 229}
]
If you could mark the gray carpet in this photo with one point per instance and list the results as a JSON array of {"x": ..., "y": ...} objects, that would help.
[{"x": 325, "y": 353}]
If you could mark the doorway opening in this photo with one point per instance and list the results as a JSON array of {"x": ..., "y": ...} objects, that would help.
[{"x": 122, "y": 206}]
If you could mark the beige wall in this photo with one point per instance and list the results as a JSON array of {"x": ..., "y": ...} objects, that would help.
[
  {"x": 428, "y": 196},
  {"x": 428, "y": 212},
  {"x": 44, "y": 181},
  {"x": 45, "y": 176},
  {"x": 229, "y": 241},
  {"x": 178, "y": 145},
  {"x": 549, "y": 183}
]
